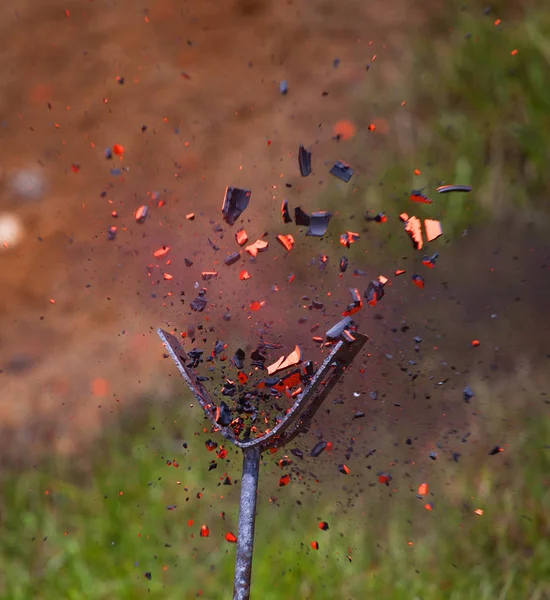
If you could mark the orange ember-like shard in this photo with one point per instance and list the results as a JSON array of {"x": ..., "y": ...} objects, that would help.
[
  {"x": 414, "y": 228},
  {"x": 383, "y": 280},
  {"x": 433, "y": 229},
  {"x": 241, "y": 237},
  {"x": 275, "y": 366},
  {"x": 422, "y": 489},
  {"x": 257, "y": 246},
  {"x": 230, "y": 537},
  {"x": 404, "y": 217},
  {"x": 292, "y": 359},
  {"x": 286, "y": 240},
  {"x": 190, "y": 216},
  {"x": 243, "y": 275},
  {"x": 400, "y": 272},
  {"x": 161, "y": 252}
]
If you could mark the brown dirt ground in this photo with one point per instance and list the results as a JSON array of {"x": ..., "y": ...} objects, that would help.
[{"x": 204, "y": 78}]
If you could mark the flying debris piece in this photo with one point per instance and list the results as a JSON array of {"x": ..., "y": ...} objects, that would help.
[
  {"x": 343, "y": 264},
  {"x": 301, "y": 218},
  {"x": 429, "y": 261},
  {"x": 285, "y": 212},
  {"x": 238, "y": 359},
  {"x": 198, "y": 304},
  {"x": 418, "y": 196},
  {"x": 468, "y": 394},
  {"x": 379, "y": 218},
  {"x": 223, "y": 415},
  {"x": 208, "y": 275},
  {"x": 304, "y": 161},
  {"x": 323, "y": 525},
  {"x": 232, "y": 258},
  {"x": 445, "y": 189},
  {"x": 414, "y": 228},
  {"x": 286, "y": 240},
  {"x": 161, "y": 252},
  {"x": 418, "y": 281},
  {"x": 496, "y": 450},
  {"x": 257, "y": 246},
  {"x": 234, "y": 204},
  {"x": 356, "y": 303},
  {"x": 335, "y": 332},
  {"x": 283, "y": 87},
  {"x": 244, "y": 275},
  {"x": 292, "y": 359},
  {"x": 374, "y": 292},
  {"x": 241, "y": 237},
  {"x": 346, "y": 239},
  {"x": 111, "y": 233},
  {"x": 188, "y": 262},
  {"x": 399, "y": 272},
  {"x": 318, "y": 449},
  {"x": 141, "y": 214},
  {"x": 319, "y": 223},
  {"x": 433, "y": 229},
  {"x": 342, "y": 171}
]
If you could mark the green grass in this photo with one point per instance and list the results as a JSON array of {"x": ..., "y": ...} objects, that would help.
[{"x": 97, "y": 531}]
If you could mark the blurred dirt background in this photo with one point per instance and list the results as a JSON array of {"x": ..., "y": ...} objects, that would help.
[{"x": 191, "y": 92}]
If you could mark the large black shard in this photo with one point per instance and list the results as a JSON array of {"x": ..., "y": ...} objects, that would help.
[
  {"x": 235, "y": 202},
  {"x": 223, "y": 415},
  {"x": 238, "y": 359},
  {"x": 318, "y": 449},
  {"x": 304, "y": 161},
  {"x": 343, "y": 264},
  {"x": 374, "y": 292},
  {"x": 318, "y": 224},
  {"x": 301, "y": 217},
  {"x": 285, "y": 213},
  {"x": 468, "y": 394},
  {"x": 342, "y": 171},
  {"x": 198, "y": 304}
]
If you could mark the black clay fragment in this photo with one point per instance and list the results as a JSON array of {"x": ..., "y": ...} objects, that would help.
[
  {"x": 342, "y": 171},
  {"x": 374, "y": 292},
  {"x": 188, "y": 262},
  {"x": 304, "y": 161},
  {"x": 235, "y": 202},
  {"x": 223, "y": 415},
  {"x": 285, "y": 212},
  {"x": 494, "y": 451},
  {"x": 468, "y": 394},
  {"x": 344, "y": 264},
  {"x": 238, "y": 359},
  {"x": 232, "y": 258},
  {"x": 301, "y": 217},
  {"x": 318, "y": 449},
  {"x": 318, "y": 224},
  {"x": 198, "y": 304}
]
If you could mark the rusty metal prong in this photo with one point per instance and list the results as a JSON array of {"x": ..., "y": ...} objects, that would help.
[{"x": 178, "y": 355}]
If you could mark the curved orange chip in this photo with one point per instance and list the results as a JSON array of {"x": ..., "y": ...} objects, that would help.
[
  {"x": 422, "y": 489},
  {"x": 242, "y": 237},
  {"x": 230, "y": 537},
  {"x": 286, "y": 240},
  {"x": 243, "y": 275}
]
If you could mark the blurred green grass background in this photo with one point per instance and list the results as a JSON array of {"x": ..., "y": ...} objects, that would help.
[{"x": 92, "y": 529}]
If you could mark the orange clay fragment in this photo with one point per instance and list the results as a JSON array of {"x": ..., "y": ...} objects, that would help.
[
  {"x": 257, "y": 246},
  {"x": 404, "y": 217},
  {"x": 284, "y": 362},
  {"x": 344, "y": 129},
  {"x": 383, "y": 280},
  {"x": 205, "y": 532},
  {"x": 243, "y": 275},
  {"x": 230, "y": 537},
  {"x": 422, "y": 489},
  {"x": 478, "y": 512},
  {"x": 433, "y": 229},
  {"x": 414, "y": 228},
  {"x": 286, "y": 240},
  {"x": 190, "y": 216},
  {"x": 161, "y": 252},
  {"x": 242, "y": 237}
]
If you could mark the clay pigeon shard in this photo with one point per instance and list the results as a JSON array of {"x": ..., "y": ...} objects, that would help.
[
  {"x": 445, "y": 189},
  {"x": 335, "y": 332},
  {"x": 348, "y": 238},
  {"x": 273, "y": 368},
  {"x": 241, "y": 237},
  {"x": 356, "y": 303},
  {"x": 141, "y": 214},
  {"x": 285, "y": 212},
  {"x": 318, "y": 449},
  {"x": 319, "y": 223},
  {"x": 418, "y": 280},
  {"x": 374, "y": 292},
  {"x": 418, "y": 196},
  {"x": 342, "y": 171},
  {"x": 379, "y": 218},
  {"x": 257, "y": 246},
  {"x": 286, "y": 240},
  {"x": 232, "y": 258},
  {"x": 208, "y": 275},
  {"x": 294, "y": 358},
  {"x": 111, "y": 233},
  {"x": 304, "y": 161},
  {"x": 414, "y": 228},
  {"x": 343, "y": 264},
  {"x": 283, "y": 87},
  {"x": 433, "y": 229},
  {"x": 238, "y": 359},
  {"x": 235, "y": 202},
  {"x": 301, "y": 218},
  {"x": 188, "y": 262},
  {"x": 223, "y": 415},
  {"x": 468, "y": 394},
  {"x": 198, "y": 304},
  {"x": 429, "y": 261}
]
